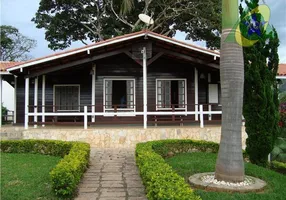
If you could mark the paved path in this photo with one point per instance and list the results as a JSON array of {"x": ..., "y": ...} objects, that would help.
[{"x": 112, "y": 175}]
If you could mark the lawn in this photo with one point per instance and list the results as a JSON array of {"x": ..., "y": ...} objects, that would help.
[
  {"x": 186, "y": 164},
  {"x": 26, "y": 176}
]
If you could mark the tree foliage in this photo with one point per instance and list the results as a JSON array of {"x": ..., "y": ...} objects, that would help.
[
  {"x": 261, "y": 93},
  {"x": 4, "y": 112},
  {"x": 66, "y": 21},
  {"x": 14, "y": 45}
]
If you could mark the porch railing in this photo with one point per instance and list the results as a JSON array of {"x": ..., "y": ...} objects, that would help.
[
  {"x": 170, "y": 110},
  {"x": 8, "y": 117}
]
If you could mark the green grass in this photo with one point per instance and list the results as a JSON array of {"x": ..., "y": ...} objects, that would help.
[
  {"x": 26, "y": 176},
  {"x": 186, "y": 164}
]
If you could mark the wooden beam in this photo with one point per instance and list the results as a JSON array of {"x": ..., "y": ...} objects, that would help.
[
  {"x": 158, "y": 55},
  {"x": 130, "y": 55},
  {"x": 189, "y": 58},
  {"x": 74, "y": 63}
]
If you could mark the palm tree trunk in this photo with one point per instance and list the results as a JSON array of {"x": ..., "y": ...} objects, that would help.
[{"x": 229, "y": 165}]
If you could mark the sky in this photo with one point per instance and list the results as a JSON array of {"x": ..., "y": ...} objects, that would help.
[{"x": 18, "y": 13}]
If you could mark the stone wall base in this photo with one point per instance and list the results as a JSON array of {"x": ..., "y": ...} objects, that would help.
[
  {"x": 11, "y": 133},
  {"x": 127, "y": 137}
]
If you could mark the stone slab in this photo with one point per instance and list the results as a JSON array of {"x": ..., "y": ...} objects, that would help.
[{"x": 196, "y": 181}]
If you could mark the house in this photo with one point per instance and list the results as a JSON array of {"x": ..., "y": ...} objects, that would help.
[
  {"x": 140, "y": 78},
  {"x": 281, "y": 73}
]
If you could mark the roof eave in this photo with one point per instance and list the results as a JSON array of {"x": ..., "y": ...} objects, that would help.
[
  {"x": 185, "y": 45},
  {"x": 5, "y": 73},
  {"x": 24, "y": 65},
  {"x": 73, "y": 52}
]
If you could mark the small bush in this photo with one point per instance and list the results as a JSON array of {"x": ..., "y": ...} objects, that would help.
[
  {"x": 169, "y": 147},
  {"x": 279, "y": 151},
  {"x": 46, "y": 147},
  {"x": 279, "y": 166},
  {"x": 160, "y": 181},
  {"x": 282, "y": 119},
  {"x": 66, "y": 175}
]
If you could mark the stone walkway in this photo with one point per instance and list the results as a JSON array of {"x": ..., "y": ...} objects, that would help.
[{"x": 112, "y": 175}]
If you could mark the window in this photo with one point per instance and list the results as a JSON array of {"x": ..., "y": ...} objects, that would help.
[
  {"x": 119, "y": 93},
  {"x": 66, "y": 97},
  {"x": 171, "y": 92},
  {"x": 213, "y": 93}
]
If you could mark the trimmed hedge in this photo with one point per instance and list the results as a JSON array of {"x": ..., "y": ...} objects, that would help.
[
  {"x": 160, "y": 180},
  {"x": 66, "y": 175},
  {"x": 166, "y": 148},
  {"x": 279, "y": 166}
]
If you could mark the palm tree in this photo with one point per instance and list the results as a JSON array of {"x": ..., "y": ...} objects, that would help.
[
  {"x": 229, "y": 165},
  {"x": 126, "y": 6}
]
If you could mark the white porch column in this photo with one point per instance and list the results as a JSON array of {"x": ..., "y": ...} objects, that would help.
[
  {"x": 201, "y": 116},
  {"x": 43, "y": 99},
  {"x": 0, "y": 100},
  {"x": 26, "y": 102},
  {"x": 196, "y": 95},
  {"x": 36, "y": 101},
  {"x": 15, "y": 100},
  {"x": 145, "y": 86},
  {"x": 85, "y": 117},
  {"x": 93, "y": 93},
  {"x": 210, "y": 106}
]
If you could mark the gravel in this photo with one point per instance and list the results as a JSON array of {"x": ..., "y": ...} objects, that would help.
[{"x": 211, "y": 179}]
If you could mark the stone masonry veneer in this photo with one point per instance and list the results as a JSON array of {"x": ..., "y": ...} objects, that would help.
[{"x": 125, "y": 137}]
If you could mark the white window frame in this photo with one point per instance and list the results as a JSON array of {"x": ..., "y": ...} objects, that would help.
[
  {"x": 119, "y": 109},
  {"x": 54, "y": 96},
  {"x": 172, "y": 79}
]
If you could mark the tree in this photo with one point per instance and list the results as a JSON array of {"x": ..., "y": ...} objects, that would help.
[
  {"x": 14, "y": 45},
  {"x": 229, "y": 164},
  {"x": 66, "y": 21},
  {"x": 261, "y": 104}
]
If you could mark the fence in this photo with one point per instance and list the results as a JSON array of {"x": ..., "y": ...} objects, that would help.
[{"x": 8, "y": 117}]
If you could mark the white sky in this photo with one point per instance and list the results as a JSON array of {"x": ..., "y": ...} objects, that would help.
[{"x": 19, "y": 13}]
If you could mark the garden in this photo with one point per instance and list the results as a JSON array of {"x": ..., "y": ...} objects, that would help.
[
  {"x": 165, "y": 167},
  {"x": 42, "y": 169}
]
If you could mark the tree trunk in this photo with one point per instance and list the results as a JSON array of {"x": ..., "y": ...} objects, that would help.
[{"x": 229, "y": 165}]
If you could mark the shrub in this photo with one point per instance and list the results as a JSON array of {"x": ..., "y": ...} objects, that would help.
[
  {"x": 282, "y": 97},
  {"x": 160, "y": 181},
  {"x": 46, "y": 147},
  {"x": 66, "y": 175},
  {"x": 282, "y": 119},
  {"x": 167, "y": 148},
  {"x": 279, "y": 166},
  {"x": 279, "y": 151},
  {"x": 4, "y": 112}
]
